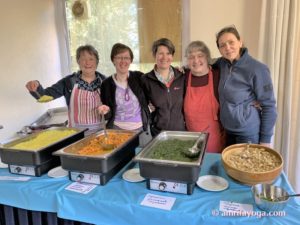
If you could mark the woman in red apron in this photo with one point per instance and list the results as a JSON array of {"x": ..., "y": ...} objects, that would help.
[
  {"x": 201, "y": 106},
  {"x": 80, "y": 89}
]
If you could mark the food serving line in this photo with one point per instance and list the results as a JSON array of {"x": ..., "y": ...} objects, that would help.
[
  {"x": 119, "y": 201},
  {"x": 111, "y": 190}
]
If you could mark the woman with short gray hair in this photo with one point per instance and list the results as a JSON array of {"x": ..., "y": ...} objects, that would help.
[
  {"x": 201, "y": 106},
  {"x": 81, "y": 90}
]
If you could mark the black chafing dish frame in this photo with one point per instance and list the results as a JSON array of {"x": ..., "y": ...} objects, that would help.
[
  {"x": 103, "y": 163},
  {"x": 15, "y": 156},
  {"x": 169, "y": 170}
]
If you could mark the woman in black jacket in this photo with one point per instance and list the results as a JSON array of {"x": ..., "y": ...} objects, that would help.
[
  {"x": 123, "y": 98},
  {"x": 165, "y": 87}
]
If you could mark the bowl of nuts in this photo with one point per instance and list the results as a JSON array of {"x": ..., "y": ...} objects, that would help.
[{"x": 252, "y": 163}]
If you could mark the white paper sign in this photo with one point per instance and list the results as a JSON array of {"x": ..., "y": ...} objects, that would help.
[
  {"x": 226, "y": 206},
  {"x": 81, "y": 187},
  {"x": 157, "y": 201},
  {"x": 14, "y": 178}
]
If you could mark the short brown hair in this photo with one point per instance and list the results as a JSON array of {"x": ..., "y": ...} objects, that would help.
[
  {"x": 120, "y": 48},
  {"x": 163, "y": 42},
  {"x": 229, "y": 29}
]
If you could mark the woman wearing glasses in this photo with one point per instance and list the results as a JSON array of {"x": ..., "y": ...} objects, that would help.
[
  {"x": 124, "y": 102},
  {"x": 244, "y": 83},
  {"x": 201, "y": 101}
]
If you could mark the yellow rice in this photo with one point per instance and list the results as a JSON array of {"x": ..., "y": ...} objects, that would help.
[
  {"x": 45, "y": 98},
  {"x": 43, "y": 139}
]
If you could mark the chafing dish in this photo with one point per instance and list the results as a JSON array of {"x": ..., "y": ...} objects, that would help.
[
  {"x": 55, "y": 117},
  {"x": 103, "y": 166},
  {"x": 36, "y": 161},
  {"x": 171, "y": 175}
]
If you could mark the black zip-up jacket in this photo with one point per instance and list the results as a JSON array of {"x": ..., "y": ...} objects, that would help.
[
  {"x": 168, "y": 102},
  {"x": 108, "y": 97}
]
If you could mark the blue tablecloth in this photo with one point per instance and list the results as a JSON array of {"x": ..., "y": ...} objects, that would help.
[
  {"x": 39, "y": 193},
  {"x": 118, "y": 202}
]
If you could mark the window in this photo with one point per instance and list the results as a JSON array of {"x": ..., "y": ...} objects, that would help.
[{"x": 136, "y": 23}]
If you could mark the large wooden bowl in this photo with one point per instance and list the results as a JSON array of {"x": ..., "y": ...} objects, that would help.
[{"x": 253, "y": 177}]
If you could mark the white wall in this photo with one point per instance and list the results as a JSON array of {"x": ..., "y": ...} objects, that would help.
[
  {"x": 207, "y": 17},
  {"x": 29, "y": 50}
]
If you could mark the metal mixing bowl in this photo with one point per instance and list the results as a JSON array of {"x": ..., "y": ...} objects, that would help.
[{"x": 265, "y": 197}]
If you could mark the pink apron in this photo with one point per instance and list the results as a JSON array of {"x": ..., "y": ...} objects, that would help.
[{"x": 83, "y": 109}]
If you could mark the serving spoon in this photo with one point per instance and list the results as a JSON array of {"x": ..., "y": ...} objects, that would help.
[
  {"x": 280, "y": 198},
  {"x": 42, "y": 98},
  {"x": 194, "y": 151},
  {"x": 104, "y": 143}
]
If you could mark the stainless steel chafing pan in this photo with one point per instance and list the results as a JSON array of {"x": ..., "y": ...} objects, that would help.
[
  {"x": 165, "y": 169},
  {"x": 13, "y": 155},
  {"x": 72, "y": 161}
]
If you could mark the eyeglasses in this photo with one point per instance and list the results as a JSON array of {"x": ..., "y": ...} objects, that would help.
[
  {"x": 119, "y": 58},
  {"x": 196, "y": 57}
]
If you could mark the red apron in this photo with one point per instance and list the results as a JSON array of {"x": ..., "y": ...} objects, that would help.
[
  {"x": 83, "y": 109},
  {"x": 201, "y": 113}
]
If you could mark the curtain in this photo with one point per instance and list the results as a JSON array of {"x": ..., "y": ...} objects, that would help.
[
  {"x": 63, "y": 37},
  {"x": 279, "y": 48},
  {"x": 159, "y": 19}
]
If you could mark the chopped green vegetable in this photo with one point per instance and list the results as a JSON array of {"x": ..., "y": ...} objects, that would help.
[
  {"x": 172, "y": 150},
  {"x": 269, "y": 199}
]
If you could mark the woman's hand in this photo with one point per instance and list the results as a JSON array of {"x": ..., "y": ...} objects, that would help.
[
  {"x": 103, "y": 109},
  {"x": 257, "y": 105},
  {"x": 32, "y": 85},
  {"x": 265, "y": 144},
  {"x": 151, "y": 107},
  {"x": 181, "y": 69}
]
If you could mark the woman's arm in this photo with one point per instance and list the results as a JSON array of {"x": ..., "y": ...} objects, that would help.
[{"x": 265, "y": 96}]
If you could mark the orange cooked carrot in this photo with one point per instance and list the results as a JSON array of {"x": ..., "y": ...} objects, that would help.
[{"x": 95, "y": 147}]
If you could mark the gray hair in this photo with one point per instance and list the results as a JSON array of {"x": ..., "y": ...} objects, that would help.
[
  {"x": 88, "y": 48},
  {"x": 198, "y": 46}
]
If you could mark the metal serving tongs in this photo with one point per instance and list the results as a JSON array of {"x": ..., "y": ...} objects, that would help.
[
  {"x": 104, "y": 143},
  {"x": 46, "y": 126}
]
